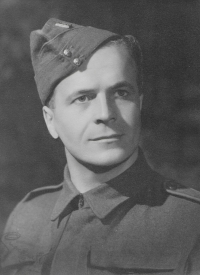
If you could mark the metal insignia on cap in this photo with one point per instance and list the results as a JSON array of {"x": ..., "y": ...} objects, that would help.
[
  {"x": 77, "y": 61},
  {"x": 67, "y": 52},
  {"x": 63, "y": 25}
]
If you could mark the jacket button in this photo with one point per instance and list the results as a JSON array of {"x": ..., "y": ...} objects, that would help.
[
  {"x": 171, "y": 185},
  {"x": 81, "y": 201}
]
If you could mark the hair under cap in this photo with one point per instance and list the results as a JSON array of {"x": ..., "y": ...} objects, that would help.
[{"x": 59, "y": 48}]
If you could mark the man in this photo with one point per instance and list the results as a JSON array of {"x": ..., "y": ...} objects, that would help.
[{"x": 112, "y": 214}]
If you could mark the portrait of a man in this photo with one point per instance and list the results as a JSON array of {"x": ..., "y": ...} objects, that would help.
[{"x": 112, "y": 213}]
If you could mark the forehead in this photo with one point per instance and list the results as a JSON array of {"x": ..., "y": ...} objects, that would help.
[{"x": 110, "y": 54}]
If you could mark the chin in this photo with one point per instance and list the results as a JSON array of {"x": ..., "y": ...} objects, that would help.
[{"x": 109, "y": 158}]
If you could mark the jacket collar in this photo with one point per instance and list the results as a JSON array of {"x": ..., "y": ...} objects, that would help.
[{"x": 106, "y": 197}]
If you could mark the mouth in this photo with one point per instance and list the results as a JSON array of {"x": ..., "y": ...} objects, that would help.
[{"x": 107, "y": 138}]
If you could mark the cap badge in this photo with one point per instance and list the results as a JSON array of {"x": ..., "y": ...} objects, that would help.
[
  {"x": 63, "y": 25},
  {"x": 67, "y": 52},
  {"x": 77, "y": 61}
]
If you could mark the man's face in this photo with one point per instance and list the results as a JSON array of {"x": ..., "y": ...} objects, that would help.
[{"x": 97, "y": 109}]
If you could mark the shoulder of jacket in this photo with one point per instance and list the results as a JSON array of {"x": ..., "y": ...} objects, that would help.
[
  {"x": 35, "y": 204},
  {"x": 33, "y": 211},
  {"x": 42, "y": 191},
  {"x": 28, "y": 224},
  {"x": 174, "y": 188}
]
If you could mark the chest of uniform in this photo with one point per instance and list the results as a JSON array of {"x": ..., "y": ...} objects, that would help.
[
  {"x": 140, "y": 238},
  {"x": 145, "y": 237}
]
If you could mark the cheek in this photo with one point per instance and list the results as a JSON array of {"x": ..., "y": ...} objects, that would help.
[
  {"x": 70, "y": 129},
  {"x": 131, "y": 114}
]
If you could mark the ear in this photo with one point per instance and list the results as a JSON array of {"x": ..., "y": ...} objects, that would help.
[
  {"x": 49, "y": 119},
  {"x": 141, "y": 100}
]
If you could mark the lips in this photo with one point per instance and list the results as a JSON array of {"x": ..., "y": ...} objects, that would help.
[{"x": 115, "y": 136}]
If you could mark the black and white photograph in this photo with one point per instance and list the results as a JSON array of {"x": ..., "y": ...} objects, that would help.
[{"x": 99, "y": 137}]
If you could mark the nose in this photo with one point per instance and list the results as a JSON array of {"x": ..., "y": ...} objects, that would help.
[{"x": 104, "y": 110}]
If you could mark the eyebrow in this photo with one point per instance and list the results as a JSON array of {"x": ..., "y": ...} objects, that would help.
[{"x": 122, "y": 84}]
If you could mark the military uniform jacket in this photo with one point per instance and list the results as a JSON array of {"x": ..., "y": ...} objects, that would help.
[{"x": 137, "y": 223}]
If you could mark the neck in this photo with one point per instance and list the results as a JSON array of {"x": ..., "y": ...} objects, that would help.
[{"x": 86, "y": 177}]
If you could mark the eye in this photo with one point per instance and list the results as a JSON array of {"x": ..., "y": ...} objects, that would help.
[
  {"x": 122, "y": 93},
  {"x": 82, "y": 99}
]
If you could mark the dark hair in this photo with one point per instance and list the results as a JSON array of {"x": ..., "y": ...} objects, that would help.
[{"x": 134, "y": 50}]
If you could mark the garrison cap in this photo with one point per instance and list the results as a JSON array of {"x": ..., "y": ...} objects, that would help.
[{"x": 59, "y": 48}]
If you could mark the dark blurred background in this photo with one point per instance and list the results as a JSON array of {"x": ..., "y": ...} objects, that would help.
[{"x": 169, "y": 33}]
